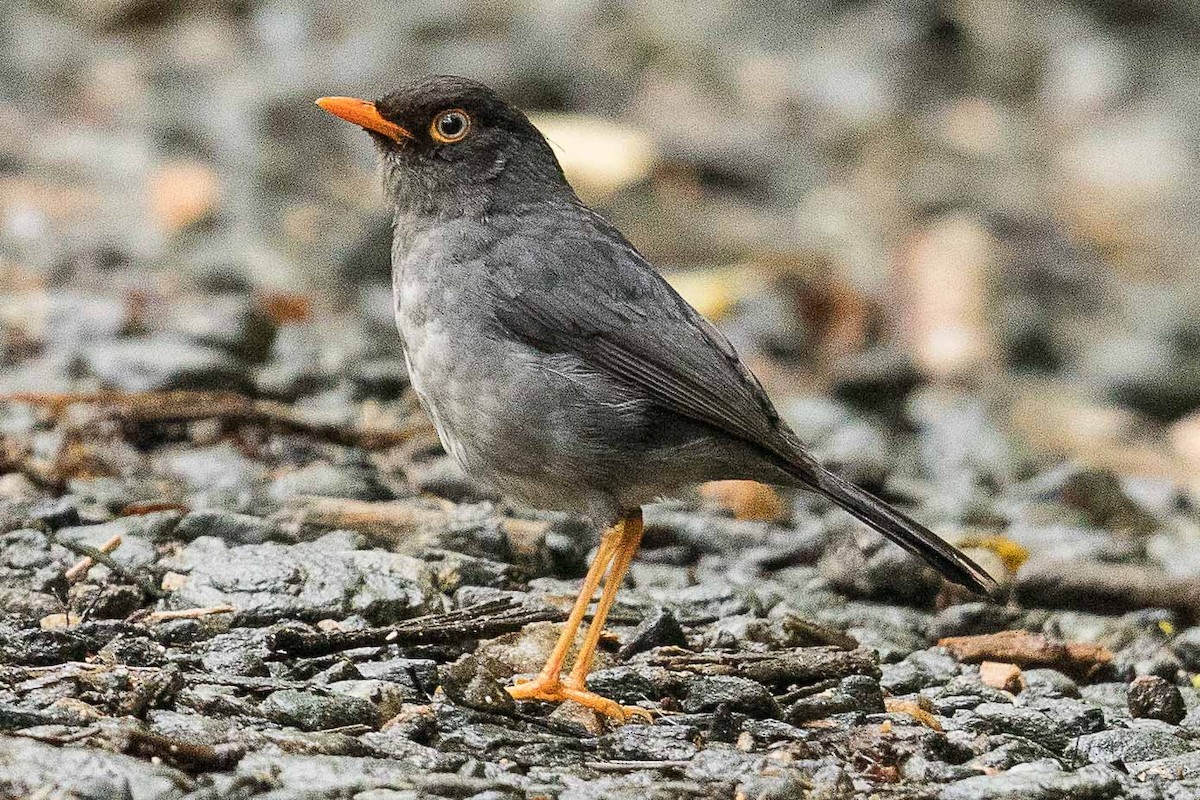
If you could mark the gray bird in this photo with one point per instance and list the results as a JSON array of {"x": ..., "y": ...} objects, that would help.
[{"x": 556, "y": 363}]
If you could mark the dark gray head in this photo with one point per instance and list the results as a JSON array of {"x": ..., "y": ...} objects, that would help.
[{"x": 451, "y": 146}]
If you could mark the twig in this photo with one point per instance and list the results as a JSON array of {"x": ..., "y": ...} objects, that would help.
[
  {"x": 633, "y": 766},
  {"x": 84, "y": 564},
  {"x": 143, "y": 582},
  {"x": 144, "y": 408},
  {"x": 249, "y": 683},
  {"x": 483, "y": 620},
  {"x": 186, "y": 613}
]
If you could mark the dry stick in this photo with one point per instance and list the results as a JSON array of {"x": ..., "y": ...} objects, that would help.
[
  {"x": 84, "y": 564},
  {"x": 483, "y": 620},
  {"x": 187, "y": 613},
  {"x": 144, "y": 583},
  {"x": 189, "y": 406}
]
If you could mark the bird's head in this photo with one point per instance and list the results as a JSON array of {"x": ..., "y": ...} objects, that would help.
[{"x": 452, "y": 146}]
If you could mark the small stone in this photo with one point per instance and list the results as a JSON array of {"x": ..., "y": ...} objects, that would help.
[
  {"x": 314, "y": 712},
  {"x": 1141, "y": 741},
  {"x": 387, "y": 697},
  {"x": 658, "y": 629},
  {"x": 232, "y": 528},
  {"x": 999, "y": 675},
  {"x": 159, "y": 363},
  {"x": 574, "y": 715},
  {"x": 1049, "y": 683},
  {"x": 1024, "y": 722},
  {"x": 650, "y": 743},
  {"x": 327, "y": 480},
  {"x": 1151, "y": 697},
  {"x": 741, "y": 694},
  {"x": 1038, "y": 780},
  {"x": 476, "y": 681}
]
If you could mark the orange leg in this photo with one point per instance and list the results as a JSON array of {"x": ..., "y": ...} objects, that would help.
[
  {"x": 548, "y": 681},
  {"x": 618, "y": 546}
]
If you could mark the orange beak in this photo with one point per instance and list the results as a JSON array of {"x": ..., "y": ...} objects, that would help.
[{"x": 364, "y": 114}]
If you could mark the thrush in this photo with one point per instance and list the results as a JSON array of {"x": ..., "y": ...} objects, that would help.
[{"x": 555, "y": 362}]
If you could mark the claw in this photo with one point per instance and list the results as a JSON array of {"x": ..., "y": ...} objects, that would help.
[{"x": 552, "y": 690}]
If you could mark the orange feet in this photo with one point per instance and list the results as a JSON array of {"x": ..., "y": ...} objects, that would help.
[
  {"x": 617, "y": 548},
  {"x": 552, "y": 690}
]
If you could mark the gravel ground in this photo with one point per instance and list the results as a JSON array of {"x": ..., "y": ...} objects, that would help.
[
  {"x": 300, "y": 609},
  {"x": 957, "y": 244}
]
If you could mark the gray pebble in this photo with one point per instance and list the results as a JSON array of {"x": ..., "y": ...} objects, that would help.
[{"x": 314, "y": 712}]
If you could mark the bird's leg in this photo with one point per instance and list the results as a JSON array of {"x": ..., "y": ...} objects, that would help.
[
  {"x": 548, "y": 684},
  {"x": 575, "y": 684},
  {"x": 618, "y": 546},
  {"x": 631, "y": 537}
]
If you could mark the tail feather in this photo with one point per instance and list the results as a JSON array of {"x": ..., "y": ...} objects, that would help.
[{"x": 901, "y": 529}]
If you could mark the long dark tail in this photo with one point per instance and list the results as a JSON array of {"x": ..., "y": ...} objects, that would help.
[{"x": 901, "y": 529}]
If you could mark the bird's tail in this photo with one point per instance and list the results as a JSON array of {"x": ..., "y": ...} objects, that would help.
[{"x": 901, "y": 529}]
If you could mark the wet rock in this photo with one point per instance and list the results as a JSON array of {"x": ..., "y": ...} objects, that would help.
[
  {"x": 86, "y": 773},
  {"x": 1151, "y": 697},
  {"x": 314, "y": 712},
  {"x": 1038, "y": 780},
  {"x": 218, "y": 468},
  {"x": 419, "y": 675},
  {"x": 1007, "y": 750},
  {"x": 1048, "y": 683},
  {"x": 1140, "y": 741},
  {"x": 141, "y": 365},
  {"x": 328, "y": 480},
  {"x": 632, "y": 683},
  {"x": 227, "y": 526},
  {"x": 1026, "y": 723},
  {"x": 38, "y": 647},
  {"x": 239, "y": 652},
  {"x": 313, "y": 580},
  {"x": 1187, "y": 647},
  {"x": 920, "y": 670},
  {"x": 388, "y": 698},
  {"x": 331, "y": 775},
  {"x": 1073, "y": 717},
  {"x": 228, "y": 321},
  {"x": 1172, "y": 771},
  {"x": 739, "y": 694},
  {"x": 855, "y": 693},
  {"x": 60, "y": 512},
  {"x": 135, "y": 651},
  {"x": 478, "y": 682},
  {"x": 138, "y": 534},
  {"x": 658, "y": 629},
  {"x": 649, "y": 743},
  {"x": 866, "y": 565}
]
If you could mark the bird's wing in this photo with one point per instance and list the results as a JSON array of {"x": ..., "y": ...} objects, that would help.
[{"x": 585, "y": 290}]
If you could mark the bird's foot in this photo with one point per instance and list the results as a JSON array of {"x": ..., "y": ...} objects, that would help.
[{"x": 551, "y": 689}]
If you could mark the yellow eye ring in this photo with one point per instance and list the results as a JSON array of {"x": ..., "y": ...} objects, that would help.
[{"x": 450, "y": 126}]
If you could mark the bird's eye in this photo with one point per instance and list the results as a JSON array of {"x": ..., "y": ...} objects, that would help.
[{"x": 450, "y": 126}]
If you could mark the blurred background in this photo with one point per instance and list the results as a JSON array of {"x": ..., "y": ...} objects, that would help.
[{"x": 877, "y": 201}]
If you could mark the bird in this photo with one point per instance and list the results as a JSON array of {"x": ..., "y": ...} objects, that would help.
[{"x": 556, "y": 363}]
